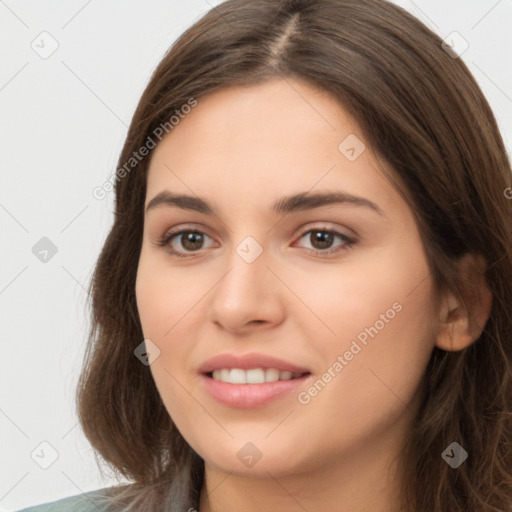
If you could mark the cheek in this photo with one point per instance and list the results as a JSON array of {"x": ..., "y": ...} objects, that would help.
[
  {"x": 164, "y": 295},
  {"x": 160, "y": 308},
  {"x": 386, "y": 286},
  {"x": 382, "y": 343},
  {"x": 169, "y": 303}
]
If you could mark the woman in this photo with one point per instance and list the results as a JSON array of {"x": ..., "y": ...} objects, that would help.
[{"x": 304, "y": 300}]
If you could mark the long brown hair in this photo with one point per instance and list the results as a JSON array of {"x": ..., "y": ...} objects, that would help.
[{"x": 421, "y": 110}]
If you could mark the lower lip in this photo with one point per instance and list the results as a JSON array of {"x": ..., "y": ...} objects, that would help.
[{"x": 248, "y": 396}]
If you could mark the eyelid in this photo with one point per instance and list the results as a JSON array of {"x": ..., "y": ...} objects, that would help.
[
  {"x": 326, "y": 226},
  {"x": 320, "y": 225},
  {"x": 169, "y": 234},
  {"x": 348, "y": 240}
]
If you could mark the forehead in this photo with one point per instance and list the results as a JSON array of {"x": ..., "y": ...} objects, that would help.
[
  {"x": 246, "y": 144},
  {"x": 266, "y": 114}
]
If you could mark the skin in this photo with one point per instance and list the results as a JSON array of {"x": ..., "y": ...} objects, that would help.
[{"x": 241, "y": 149}]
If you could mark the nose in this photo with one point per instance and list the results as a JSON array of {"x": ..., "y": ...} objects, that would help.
[{"x": 248, "y": 296}]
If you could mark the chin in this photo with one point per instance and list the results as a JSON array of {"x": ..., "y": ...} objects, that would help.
[{"x": 253, "y": 455}]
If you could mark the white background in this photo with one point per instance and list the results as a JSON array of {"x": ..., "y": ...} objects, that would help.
[{"x": 63, "y": 123}]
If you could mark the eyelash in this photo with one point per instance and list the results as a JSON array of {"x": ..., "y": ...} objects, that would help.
[{"x": 164, "y": 241}]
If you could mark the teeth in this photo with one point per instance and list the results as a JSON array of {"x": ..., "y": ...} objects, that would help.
[
  {"x": 255, "y": 376},
  {"x": 252, "y": 376},
  {"x": 271, "y": 375}
]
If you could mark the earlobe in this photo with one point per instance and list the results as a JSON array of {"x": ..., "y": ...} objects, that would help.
[{"x": 462, "y": 319}]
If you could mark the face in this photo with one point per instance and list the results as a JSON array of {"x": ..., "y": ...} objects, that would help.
[{"x": 335, "y": 292}]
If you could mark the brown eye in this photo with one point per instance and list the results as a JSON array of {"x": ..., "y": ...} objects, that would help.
[
  {"x": 323, "y": 239},
  {"x": 191, "y": 241}
]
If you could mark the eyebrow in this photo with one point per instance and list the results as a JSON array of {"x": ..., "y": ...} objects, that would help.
[{"x": 286, "y": 204}]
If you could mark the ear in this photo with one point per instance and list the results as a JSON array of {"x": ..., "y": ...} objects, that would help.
[{"x": 462, "y": 319}]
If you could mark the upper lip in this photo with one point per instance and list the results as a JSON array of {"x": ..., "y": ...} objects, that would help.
[{"x": 248, "y": 361}]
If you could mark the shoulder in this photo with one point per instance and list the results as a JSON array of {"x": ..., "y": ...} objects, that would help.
[{"x": 92, "y": 501}]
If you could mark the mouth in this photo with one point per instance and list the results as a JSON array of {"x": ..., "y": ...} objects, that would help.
[
  {"x": 251, "y": 380},
  {"x": 253, "y": 375}
]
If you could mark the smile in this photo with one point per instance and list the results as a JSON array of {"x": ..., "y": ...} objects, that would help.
[
  {"x": 249, "y": 395},
  {"x": 253, "y": 375}
]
